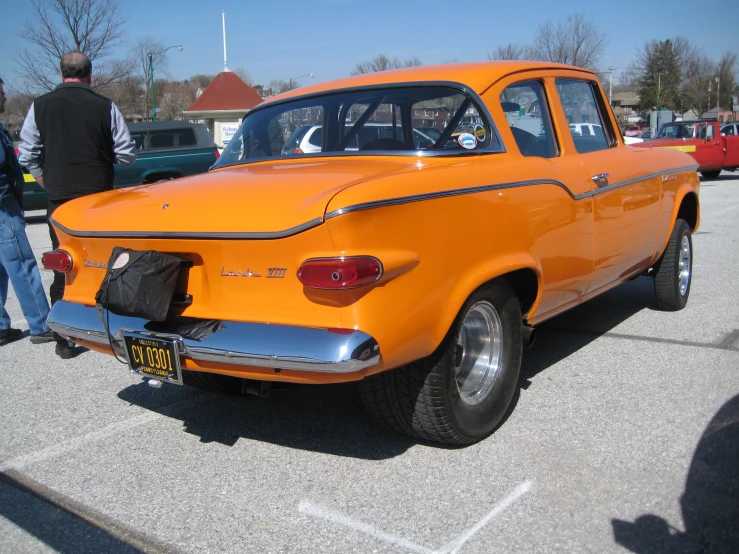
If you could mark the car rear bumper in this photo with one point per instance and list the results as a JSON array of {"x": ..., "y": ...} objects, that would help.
[{"x": 236, "y": 343}]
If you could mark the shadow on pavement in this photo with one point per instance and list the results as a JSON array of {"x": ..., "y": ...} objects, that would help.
[
  {"x": 331, "y": 419},
  {"x": 328, "y": 418},
  {"x": 710, "y": 503},
  {"x": 51, "y": 524}
]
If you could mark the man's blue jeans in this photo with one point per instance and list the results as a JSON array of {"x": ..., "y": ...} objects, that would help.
[{"x": 18, "y": 264}]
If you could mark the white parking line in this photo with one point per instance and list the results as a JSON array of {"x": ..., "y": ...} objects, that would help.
[
  {"x": 75, "y": 443},
  {"x": 453, "y": 547}
]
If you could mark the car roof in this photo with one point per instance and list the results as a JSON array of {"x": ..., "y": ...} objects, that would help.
[{"x": 478, "y": 76}]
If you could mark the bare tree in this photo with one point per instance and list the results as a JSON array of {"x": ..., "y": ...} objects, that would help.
[
  {"x": 381, "y": 62},
  {"x": 243, "y": 74},
  {"x": 94, "y": 27},
  {"x": 175, "y": 98},
  {"x": 578, "y": 42},
  {"x": 512, "y": 52}
]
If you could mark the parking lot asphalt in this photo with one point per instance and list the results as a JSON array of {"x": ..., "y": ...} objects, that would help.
[{"x": 624, "y": 438}]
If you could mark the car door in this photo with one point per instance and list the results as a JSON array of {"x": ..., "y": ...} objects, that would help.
[
  {"x": 561, "y": 211},
  {"x": 708, "y": 146},
  {"x": 626, "y": 198}
]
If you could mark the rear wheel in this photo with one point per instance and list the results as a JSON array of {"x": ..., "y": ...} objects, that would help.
[
  {"x": 674, "y": 273},
  {"x": 459, "y": 394},
  {"x": 711, "y": 174}
]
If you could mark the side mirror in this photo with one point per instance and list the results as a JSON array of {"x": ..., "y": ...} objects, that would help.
[{"x": 709, "y": 133}]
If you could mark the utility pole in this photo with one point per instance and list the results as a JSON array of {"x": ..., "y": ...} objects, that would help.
[
  {"x": 718, "y": 87},
  {"x": 610, "y": 86}
]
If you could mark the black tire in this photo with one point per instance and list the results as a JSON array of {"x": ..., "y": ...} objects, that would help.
[
  {"x": 423, "y": 399},
  {"x": 711, "y": 174},
  {"x": 674, "y": 273},
  {"x": 212, "y": 382}
]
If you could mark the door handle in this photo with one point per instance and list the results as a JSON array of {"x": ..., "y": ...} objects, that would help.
[{"x": 601, "y": 179}]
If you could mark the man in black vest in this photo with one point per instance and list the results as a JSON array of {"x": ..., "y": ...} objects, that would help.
[{"x": 71, "y": 139}]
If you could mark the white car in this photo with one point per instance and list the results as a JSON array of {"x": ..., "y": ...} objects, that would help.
[
  {"x": 587, "y": 129},
  {"x": 308, "y": 138}
]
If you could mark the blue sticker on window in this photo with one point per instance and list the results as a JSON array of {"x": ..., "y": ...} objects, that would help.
[{"x": 467, "y": 140}]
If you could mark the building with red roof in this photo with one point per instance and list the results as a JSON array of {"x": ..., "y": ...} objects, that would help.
[{"x": 223, "y": 104}]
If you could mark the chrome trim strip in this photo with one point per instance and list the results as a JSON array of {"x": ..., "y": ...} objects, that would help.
[
  {"x": 444, "y": 194},
  {"x": 487, "y": 188},
  {"x": 239, "y": 344},
  {"x": 268, "y": 235},
  {"x": 364, "y": 206},
  {"x": 627, "y": 182}
]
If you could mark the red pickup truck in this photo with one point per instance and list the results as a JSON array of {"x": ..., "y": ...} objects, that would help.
[{"x": 701, "y": 139}]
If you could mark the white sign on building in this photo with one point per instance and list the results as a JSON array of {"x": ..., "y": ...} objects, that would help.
[{"x": 228, "y": 130}]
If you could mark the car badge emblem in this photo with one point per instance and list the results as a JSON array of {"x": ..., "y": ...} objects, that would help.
[
  {"x": 276, "y": 272},
  {"x": 239, "y": 273},
  {"x": 92, "y": 263}
]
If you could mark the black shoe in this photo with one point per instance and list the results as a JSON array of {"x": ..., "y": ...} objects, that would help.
[
  {"x": 10, "y": 335},
  {"x": 64, "y": 351},
  {"x": 41, "y": 338}
]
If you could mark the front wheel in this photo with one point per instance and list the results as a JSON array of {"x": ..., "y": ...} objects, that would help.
[
  {"x": 711, "y": 174},
  {"x": 459, "y": 394},
  {"x": 674, "y": 273}
]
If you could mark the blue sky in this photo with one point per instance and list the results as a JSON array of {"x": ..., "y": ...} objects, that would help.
[{"x": 279, "y": 39}]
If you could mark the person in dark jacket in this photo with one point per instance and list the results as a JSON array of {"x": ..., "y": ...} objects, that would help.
[
  {"x": 17, "y": 262},
  {"x": 72, "y": 137}
]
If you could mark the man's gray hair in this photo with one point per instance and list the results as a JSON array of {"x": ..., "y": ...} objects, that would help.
[{"x": 75, "y": 65}]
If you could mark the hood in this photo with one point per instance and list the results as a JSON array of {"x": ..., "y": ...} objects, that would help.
[
  {"x": 687, "y": 145},
  {"x": 256, "y": 198}
]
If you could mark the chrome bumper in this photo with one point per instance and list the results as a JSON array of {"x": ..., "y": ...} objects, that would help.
[{"x": 244, "y": 344}]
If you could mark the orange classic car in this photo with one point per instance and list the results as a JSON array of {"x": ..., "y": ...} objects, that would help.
[{"x": 419, "y": 273}]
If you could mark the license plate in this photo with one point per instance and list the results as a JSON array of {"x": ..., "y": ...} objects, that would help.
[{"x": 154, "y": 357}]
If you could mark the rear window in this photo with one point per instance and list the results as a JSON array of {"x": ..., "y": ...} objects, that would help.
[
  {"x": 411, "y": 119},
  {"x": 165, "y": 138}
]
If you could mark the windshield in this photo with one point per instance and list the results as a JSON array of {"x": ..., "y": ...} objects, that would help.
[
  {"x": 684, "y": 130},
  {"x": 436, "y": 119}
]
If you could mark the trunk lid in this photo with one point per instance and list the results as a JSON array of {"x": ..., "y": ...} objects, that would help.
[{"x": 256, "y": 198}]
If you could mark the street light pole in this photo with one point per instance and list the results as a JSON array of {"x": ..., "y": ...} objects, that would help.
[
  {"x": 291, "y": 79},
  {"x": 151, "y": 76}
]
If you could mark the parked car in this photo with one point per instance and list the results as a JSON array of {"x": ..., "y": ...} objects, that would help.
[
  {"x": 418, "y": 274},
  {"x": 703, "y": 140},
  {"x": 167, "y": 150},
  {"x": 632, "y": 131},
  {"x": 730, "y": 129},
  {"x": 587, "y": 129}
]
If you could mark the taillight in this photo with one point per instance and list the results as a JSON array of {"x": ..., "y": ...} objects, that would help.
[
  {"x": 340, "y": 273},
  {"x": 57, "y": 260},
  {"x": 218, "y": 154}
]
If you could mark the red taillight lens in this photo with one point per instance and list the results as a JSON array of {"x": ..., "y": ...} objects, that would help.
[
  {"x": 57, "y": 260},
  {"x": 340, "y": 273},
  {"x": 218, "y": 154}
]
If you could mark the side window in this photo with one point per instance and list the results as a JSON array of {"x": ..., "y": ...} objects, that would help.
[
  {"x": 316, "y": 139},
  {"x": 582, "y": 104},
  {"x": 527, "y": 113},
  {"x": 138, "y": 138},
  {"x": 161, "y": 139},
  {"x": 185, "y": 137}
]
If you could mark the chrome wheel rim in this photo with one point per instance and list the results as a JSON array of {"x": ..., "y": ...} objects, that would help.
[
  {"x": 684, "y": 266},
  {"x": 478, "y": 354}
]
